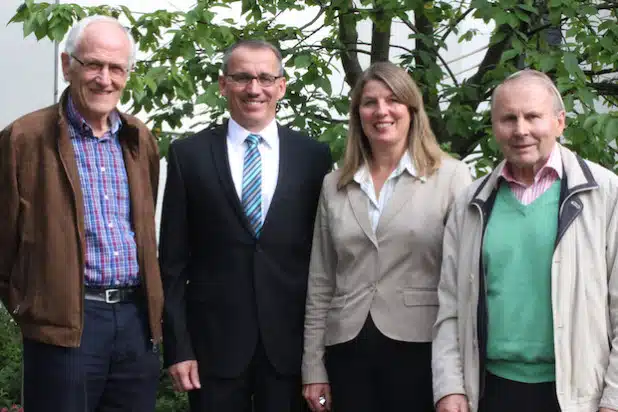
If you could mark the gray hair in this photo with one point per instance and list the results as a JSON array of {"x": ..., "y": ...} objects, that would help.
[
  {"x": 251, "y": 44},
  {"x": 78, "y": 29},
  {"x": 540, "y": 77}
]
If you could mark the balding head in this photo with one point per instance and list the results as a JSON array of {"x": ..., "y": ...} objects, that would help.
[{"x": 529, "y": 75}]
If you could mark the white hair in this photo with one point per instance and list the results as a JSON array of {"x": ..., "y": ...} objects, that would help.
[{"x": 77, "y": 31}]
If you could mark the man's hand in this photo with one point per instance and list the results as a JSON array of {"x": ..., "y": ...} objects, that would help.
[
  {"x": 453, "y": 403},
  {"x": 607, "y": 410},
  {"x": 312, "y": 393},
  {"x": 185, "y": 376}
]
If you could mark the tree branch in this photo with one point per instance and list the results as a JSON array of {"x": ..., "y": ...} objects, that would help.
[
  {"x": 340, "y": 49},
  {"x": 454, "y": 24},
  {"x": 492, "y": 57},
  {"x": 380, "y": 37},
  {"x": 600, "y": 72},
  {"x": 317, "y": 16},
  {"x": 425, "y": 46},
  {"x": 605, "y": 88},
  {"x": 349, "y": 59}
]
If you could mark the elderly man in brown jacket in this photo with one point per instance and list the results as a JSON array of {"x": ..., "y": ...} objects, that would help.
[{"x": 78, "y": 265}]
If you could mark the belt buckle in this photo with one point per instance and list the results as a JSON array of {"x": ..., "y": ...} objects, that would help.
[{"x": 112, "y": 295}]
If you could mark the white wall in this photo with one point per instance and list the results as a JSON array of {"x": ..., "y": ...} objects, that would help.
[{"x": 26, "y": 68}]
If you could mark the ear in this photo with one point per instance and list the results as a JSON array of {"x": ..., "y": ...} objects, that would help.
[
  {"x": 281, "y": 87},
  {"x": 561, "y": 120},
  {"x": 223, "y": 85},
  {"x": 66, "y": 66}
]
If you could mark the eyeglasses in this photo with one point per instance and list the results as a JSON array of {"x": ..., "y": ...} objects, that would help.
[
  {"x": 243, "y": 79},
  {"x": 95, "y": 67}
]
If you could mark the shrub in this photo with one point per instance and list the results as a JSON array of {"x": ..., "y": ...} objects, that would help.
[
  {"x": 10, "y": 373},
  {"x": 10, "y": 363}
]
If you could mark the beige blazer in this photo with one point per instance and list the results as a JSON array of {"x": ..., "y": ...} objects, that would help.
[{"x": 392, "y": 273}]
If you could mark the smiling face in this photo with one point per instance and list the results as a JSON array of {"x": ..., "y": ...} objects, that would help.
[
  {"x": 526, "y": 123},
  {"x": 385, "y": 120},
  {"x": 252, "y": 105},
  {"x": 97, "y": 93}
]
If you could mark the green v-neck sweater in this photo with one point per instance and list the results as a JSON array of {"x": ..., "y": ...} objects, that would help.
[{"x": 517, "y": 254}]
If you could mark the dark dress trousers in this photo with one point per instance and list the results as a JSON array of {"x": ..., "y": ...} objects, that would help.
[{"x": 230, "y": 297}]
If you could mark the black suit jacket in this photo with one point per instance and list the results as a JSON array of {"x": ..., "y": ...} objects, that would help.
[{"x": 224, "y": 288}]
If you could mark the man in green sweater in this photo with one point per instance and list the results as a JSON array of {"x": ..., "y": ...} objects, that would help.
[{"x": 529, "y": 285}]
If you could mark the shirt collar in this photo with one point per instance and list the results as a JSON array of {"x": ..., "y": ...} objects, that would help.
[
  {"x": 553, "y": 165},
  {"x": 78, "y": 122},
  {"x": 363, "y": 175},
  {"x": 237, "y": 134}
]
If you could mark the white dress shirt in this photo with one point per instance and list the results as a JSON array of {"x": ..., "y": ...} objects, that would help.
[
  {"x": 378, "y": 203},
  {"x": 269, "y": 152}
]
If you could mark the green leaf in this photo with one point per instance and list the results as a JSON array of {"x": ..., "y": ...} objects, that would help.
[
  {"x": 509, "y": 54},
  {"x": 324, "y": 84},
  {"x": 611, "y": 130},
  {"x": 547, "y": 63},
  {"x": 128, "y": 14},
  {"x": 302, "y": 61},
  {"x": 522, "y": 16},
  {"x": 529, "y": 8},
  {"x": 590, "y": 122},
  {"x": 150, "y": 83},
  {"x": 572, "y": 65},
  {"x": 30, "y": 25}
]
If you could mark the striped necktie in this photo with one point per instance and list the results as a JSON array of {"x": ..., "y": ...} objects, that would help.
[{"x": 252, "y": 184}]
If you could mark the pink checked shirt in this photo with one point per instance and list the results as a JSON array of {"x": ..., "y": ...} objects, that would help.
[{"x": 544, "y": 178}]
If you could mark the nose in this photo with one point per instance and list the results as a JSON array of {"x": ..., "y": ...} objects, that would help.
[
  {"x": 103, "y": 77},
  {"x": 521, "y": 126},
  {"x": 253, "y": 86},
  {"x": 381, "y": 108}
]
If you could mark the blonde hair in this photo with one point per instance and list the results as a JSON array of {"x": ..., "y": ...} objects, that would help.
[
  {"x": 422, "y": 144},
  {"x": 533, "y": 75}
]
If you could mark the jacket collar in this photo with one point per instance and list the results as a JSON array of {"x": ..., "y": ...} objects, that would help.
[
  {"x": 576, "y": 176},
  {"x": 128, "y": 131}
]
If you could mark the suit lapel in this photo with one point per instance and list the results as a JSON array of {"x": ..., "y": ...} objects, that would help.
[
  {"x": 360, "y": 207},
  {"x": 285, "y": 175},
  {"x": 404, "y": 190},
  {"x": 222, "y": 166}
]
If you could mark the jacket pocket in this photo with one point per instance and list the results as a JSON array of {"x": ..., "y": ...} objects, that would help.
[{"x": 420, "y": 297}]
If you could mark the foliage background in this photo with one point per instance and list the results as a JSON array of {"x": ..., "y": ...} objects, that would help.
[{"x": 174, "y": 82}]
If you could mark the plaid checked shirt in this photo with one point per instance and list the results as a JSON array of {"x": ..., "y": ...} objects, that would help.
[{"x": 111, "y": 253}]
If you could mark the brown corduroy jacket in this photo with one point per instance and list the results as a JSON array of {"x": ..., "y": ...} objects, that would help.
[{"x": 42, "y": 236}]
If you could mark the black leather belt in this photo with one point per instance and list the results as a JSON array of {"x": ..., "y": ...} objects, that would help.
[{"x": 111, "y": 295}]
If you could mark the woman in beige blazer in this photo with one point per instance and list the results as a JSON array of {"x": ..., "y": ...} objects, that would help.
[{"x": 375, "y": 262}]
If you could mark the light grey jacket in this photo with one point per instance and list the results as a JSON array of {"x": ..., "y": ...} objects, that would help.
[
  {"x": 584, "y": 277},
  {"x": 392, "y": 273}
]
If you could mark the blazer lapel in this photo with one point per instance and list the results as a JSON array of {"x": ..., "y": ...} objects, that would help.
[
  {"x": 404, "y": 189},
  {"x": 360, "y": 207},
  {"x": 222, "y": 165}
]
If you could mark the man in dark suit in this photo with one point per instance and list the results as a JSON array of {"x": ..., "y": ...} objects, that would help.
[{"x": 238, "y": 213}]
